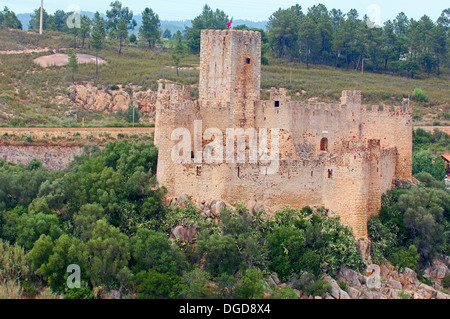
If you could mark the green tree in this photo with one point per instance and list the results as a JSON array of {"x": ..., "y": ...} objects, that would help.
[
  {"x": 57, "y": 21},
  {"x": 282, "y": 31},
  {"x": 220, "y": 252},
  {"x": 178, "y": 51},
  {"x": 97, "y": 36},
  {"x": 8, "y": 19},
  {"x": 154, "y": 285},
  {"x": 310, "y": 37},
  {"x": 132, "y": 114},
  {"x": 96, "y": 41},
  {"x": 122, "y": 33},
  {"x": 253, "y": 284},
  {"x": 150, "y": 28},
  {"x": 208, "y": 19},
  {"x": 167, "y": 34},
  {"x": 32, "y": 225},
  {"x": 196, "y": 285},
  {"x": 109, "y": 251},
  {"x": 153, "y": 250},
  {"x": 35, "y": 19},
  {"x": 115, "y": 14},
  {"x": 73, "y": 63},
  {"x": 50, "y": 260},
  {"x": 423, "y": 162},
  {"x": 85, "y": 29}
]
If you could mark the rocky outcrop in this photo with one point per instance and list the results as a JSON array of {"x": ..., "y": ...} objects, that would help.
[
  {"x": 105, "y": 100},
  {"x": 385, "y": 282}
]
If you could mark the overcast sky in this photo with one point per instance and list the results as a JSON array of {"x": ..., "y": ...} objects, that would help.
[{"x": 255, "y": 10}]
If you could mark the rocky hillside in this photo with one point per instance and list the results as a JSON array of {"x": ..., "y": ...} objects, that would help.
[
  {"x": 108, "y": 99},
  {"x": 382, "y": 281}
]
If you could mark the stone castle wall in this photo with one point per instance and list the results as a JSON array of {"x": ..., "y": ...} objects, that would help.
[
  {"x": 342, "y": 156},
  {"x": 51, "y": 157}
]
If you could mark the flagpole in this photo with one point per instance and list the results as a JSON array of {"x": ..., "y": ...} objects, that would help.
[{"x": 40, "y": 20}]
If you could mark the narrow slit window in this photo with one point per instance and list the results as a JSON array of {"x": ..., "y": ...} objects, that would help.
[
  {"x": 277, "y": 103},
  {"x": 239, "y": 172},
  {"x": 324, "y": 144},
  {"x": 330, "y": 173}
]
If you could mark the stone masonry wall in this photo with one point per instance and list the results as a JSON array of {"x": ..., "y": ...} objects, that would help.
[
  {"x": 52, "y": 157},
  {"x": 341, "y": 156}
]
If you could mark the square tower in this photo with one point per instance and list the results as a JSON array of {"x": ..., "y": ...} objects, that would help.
[{"x": 230, "y": 65}]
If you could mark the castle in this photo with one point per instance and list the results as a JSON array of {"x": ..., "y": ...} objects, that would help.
[{"x": 341, "y": 156}]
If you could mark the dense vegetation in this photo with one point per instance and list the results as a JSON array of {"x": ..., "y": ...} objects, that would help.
[
  {"x": 413, "y": 226},
  {"x": 104, "y": 215}
]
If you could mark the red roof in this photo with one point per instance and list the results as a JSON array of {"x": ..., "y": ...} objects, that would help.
[{"x": 446, "y": 157}]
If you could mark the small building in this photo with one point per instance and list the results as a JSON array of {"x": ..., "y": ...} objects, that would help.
[{"x": 446, "y": 158}]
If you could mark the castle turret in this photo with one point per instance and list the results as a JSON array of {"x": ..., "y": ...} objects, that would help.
[{"x": 230, "y": 71}]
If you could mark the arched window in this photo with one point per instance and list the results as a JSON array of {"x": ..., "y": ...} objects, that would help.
[{"x": 324, "y": 144}]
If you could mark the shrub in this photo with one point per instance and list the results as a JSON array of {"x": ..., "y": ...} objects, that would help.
[
  {"x": 253, "y": 284},
  {"x": 79, "y": 293},
  {"x": 319, "y": 288},
  {"x": 154, "y": 285},
  {"x": 29, "y": 139},
  {"x": 446, "y": 281},
  {"x": 420, "y": 95},
  {"x": 114, "y": 87},
  {"x": 406, "y": 258}
]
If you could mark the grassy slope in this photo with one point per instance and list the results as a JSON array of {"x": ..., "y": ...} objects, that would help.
[{"x": 31, "y": 89}]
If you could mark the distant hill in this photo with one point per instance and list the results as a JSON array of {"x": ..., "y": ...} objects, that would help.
[{"x": 173, "y": 26}]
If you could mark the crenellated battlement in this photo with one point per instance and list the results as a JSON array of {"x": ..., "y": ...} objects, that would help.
[{"x": 351, "y": 97}]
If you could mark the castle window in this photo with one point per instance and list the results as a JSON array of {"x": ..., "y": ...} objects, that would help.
[
  {"x": 248, "y": 60},
  {"x": 324, "y": 144},
  {"x": 277, "y": 103},
  {"x": 199, "y": 171},
  {"x": 330, "y": 173},
  {"x": 238, "y": 172},
  {"x": 311, "y": 173}
]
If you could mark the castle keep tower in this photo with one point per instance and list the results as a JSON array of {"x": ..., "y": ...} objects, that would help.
[
  {"x": 230, "y": 71},
  {"x": 230, "y": 65}
]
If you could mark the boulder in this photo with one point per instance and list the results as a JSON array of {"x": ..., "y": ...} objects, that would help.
[
  {"x": 343, "y": 295},
  {"x": 386, "y": 269},
  {"x": 439, "y": 271},
  {"x": 427, "y": 291},
  {"x": 113, "y": 294},
  {"x": 441, "y": 295},
  {"x": 394, "y": 284},
  {"x": 185, "y": 234},
  {"x": 410, "y": 275},
  {"x": 120, "y": 101},
  {"x": 351, "y": 277},
  {"x": 182, "y": 200},
  {"x": 353, "y": 293},
  {"x": 217, "y": 206}
]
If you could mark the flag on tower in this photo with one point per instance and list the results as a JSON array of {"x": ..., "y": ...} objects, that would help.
[{"x": 229, "y": 23}]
